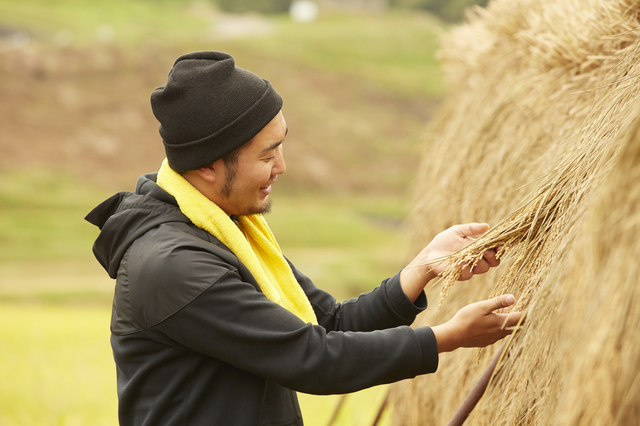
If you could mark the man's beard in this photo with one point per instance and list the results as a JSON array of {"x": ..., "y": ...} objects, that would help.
[
  {"x": 267, "y": 208},
  {"x": 227, "y": 191}
]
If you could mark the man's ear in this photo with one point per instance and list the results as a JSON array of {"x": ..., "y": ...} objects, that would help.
[{"x": 208, "y": 173}]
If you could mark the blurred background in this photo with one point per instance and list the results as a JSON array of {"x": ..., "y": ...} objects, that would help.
[{"x": 360, "y": 80}]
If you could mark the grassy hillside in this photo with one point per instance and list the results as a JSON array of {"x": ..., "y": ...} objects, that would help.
[{"x": 357, "y": 89}]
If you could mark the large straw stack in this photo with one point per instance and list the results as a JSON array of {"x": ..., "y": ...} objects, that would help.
[{"x": 544, "y": 96}]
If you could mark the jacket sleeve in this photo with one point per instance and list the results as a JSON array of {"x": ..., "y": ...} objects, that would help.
[
  {"x": 228, "y": 319},
  {"x": 384, "y": 307}
]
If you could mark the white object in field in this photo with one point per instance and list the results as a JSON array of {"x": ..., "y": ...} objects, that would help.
[{"x": 303, "y": 10}]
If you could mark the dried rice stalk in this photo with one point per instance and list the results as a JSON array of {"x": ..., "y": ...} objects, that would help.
[
  {"x": 545, "y": 92},
  {"x": 528, "y": 231}
]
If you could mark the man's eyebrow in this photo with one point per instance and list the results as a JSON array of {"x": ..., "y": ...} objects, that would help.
[{"x": 275, "y": 145}]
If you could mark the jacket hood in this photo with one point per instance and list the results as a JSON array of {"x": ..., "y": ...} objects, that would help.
[{"x": 126, "y": 216}]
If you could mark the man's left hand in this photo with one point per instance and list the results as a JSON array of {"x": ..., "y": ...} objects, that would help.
[{"x": 428, "y": 264}]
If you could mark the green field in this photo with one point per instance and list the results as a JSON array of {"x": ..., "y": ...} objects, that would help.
[{"x": 359, "y": 91}]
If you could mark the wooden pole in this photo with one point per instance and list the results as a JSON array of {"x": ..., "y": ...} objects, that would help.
[
  {"x": 383, "y": 407},
  {"x": 476, "y": 392},
  {"x": 336, "y": 411}
]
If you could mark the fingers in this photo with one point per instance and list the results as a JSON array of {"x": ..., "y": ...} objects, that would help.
[
  {"x": 483, "y": 265},
  {"x": 511, "y": 320},
  {"x": 507, "y": 320},
  {"x": 457, "y": 237},
  {"x": 467, "y": 272},
  {"x": 478, "y": 325},
  {"x": 490, "y": 257}
]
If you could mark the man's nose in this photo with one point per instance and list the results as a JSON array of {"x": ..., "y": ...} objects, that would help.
[{"x": 280, "y": 166}]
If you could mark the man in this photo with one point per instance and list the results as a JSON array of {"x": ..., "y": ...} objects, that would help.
[{"x": 211, "y": 324}]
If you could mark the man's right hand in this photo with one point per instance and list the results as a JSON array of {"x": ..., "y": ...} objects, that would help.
[{"x": 477, "y": 325}]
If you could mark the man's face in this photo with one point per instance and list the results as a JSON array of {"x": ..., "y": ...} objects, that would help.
[{"x": 247, "y": 190}]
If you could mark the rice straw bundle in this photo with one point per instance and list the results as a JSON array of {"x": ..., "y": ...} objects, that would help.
[
  {"x": 602, "y": 384},
  {"x": 578, "y": 345},
  {"x": 532, "y": 229},
  {"x": 544, "y": 94}
]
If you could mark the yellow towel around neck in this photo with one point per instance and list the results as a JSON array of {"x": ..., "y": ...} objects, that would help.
[{"x": 257, "y": 248}]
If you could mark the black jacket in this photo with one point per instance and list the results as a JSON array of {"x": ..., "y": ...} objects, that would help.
[{"x": 197, "y": 343}]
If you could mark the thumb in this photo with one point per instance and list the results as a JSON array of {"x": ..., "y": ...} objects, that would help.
[
  {"x": 471, "y": 229},
  {"x": 499, "y": 302}
]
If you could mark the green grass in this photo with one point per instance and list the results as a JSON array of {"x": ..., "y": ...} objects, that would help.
[
  {"x": 56, "y": 365},
  {"x": 394, "y": 51},
  {"x": 130, "y": 21},
  {"x": 41, "y": 217},
  {"x": 357, "y": 409},
  {"x": 57, "y": 369}
]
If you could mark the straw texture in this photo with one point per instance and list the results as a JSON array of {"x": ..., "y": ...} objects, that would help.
[{"x": 539, "y": 137}]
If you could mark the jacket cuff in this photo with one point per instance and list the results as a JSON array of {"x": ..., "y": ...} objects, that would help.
[
  {"x": 399, "y": 301},
  {"x": 429, "y": 348}
]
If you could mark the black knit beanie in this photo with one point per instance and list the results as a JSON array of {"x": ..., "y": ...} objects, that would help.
[{"x": 209, "y": 107}]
